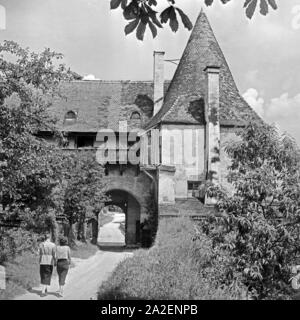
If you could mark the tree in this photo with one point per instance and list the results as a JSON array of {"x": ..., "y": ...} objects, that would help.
[
  {"x": 260, "y": 222},
  {"x": 142, "y": 14},
  {"x": 30, "y": 167},
  {"x": 84, "y": 194},
  {"x": 38, "y": 181}
]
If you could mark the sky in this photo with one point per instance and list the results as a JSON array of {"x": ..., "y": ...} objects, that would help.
[{"x": 263, "y": 53}]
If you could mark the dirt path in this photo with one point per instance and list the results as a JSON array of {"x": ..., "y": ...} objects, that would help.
[
  {"x": 84, "y": 279},
  {"x": 110, "y": 233}
]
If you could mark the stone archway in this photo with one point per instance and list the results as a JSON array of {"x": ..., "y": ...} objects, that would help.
[
  {"x": 133, "y": 190},
  {"x": 132, "y": 209}
]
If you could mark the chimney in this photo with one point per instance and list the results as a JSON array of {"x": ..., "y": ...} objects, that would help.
[
  {"x": 212, "y": 106},
  {"x": 158, "y": 78}
]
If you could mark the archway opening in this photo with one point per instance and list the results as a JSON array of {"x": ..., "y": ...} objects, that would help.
[
  {"x": 112, "y": 226},
  {"x": 123, "y": 213}
]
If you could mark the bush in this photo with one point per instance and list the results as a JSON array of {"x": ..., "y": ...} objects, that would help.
[
  {"x": 178, "y": 266},
  {"x": 14, "y": 241},
  {"x": 260, "y": 221}
]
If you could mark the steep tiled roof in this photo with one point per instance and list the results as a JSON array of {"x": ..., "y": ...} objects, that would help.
[
  {"x": 102, "y": 104},
  {"x": 189, "y": 81}
]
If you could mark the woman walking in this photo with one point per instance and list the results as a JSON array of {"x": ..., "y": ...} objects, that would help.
[
  {"x": 63, "y": 256},
  {"x": 47, "y": 260}
]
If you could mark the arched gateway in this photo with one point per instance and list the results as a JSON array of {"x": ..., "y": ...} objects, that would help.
[
  {"x": 132, "y": 191},
  {"x": 132, "y": 209}
]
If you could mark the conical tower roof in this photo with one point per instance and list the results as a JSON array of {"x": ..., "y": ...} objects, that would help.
[{"x": 189, "y": 81}]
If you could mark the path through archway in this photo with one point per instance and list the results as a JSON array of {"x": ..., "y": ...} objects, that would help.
[
  {"x": 125, "y": 223},
  {"x": 112, "y": 221}
]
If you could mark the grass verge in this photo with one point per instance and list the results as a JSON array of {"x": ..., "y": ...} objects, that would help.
[
  {"x": 176, "y": 267},
  {"x": 21, "y": 274}
]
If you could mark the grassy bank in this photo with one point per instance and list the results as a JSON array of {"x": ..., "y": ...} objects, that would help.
[
  {"x": 176, "y": 267},
  {"x": 22, "y": 273}
]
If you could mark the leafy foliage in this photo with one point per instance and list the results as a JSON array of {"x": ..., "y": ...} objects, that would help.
[
  {"x": 30, "y": 167},
  {"x": 142, "y": 14},
  {"x": 260, "y": 222},
  {"x": 38, "y": 182},
  {"x": 83, "y": 192}
]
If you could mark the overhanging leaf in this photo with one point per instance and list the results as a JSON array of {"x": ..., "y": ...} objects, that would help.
[
  {"x": 114, "y": 4},
  {"x": 165, "y": 15},
  {"x": 140, "y": 31},
  {"x": 264, "y": 8},
  {"x": 273, "y": 4},
  {"x": 173, "y": 23},
  {"x": 153, "y": 29},
  {"x": 251, "y": 8},
  {"x": 153, "y": 17},
  {"x": 209, "y": 2},
  {"x": 131, "y": 26},
  {"x": 185, "y": 19},
  {"x": 123, "y": 4},
  {"x": 247, "y": 3},
  {"x": 131, "y": 11}
]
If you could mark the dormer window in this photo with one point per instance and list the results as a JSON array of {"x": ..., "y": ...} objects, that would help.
[
  {"x": 135, "y": 116},
  {"x": 70, "y": 118}
]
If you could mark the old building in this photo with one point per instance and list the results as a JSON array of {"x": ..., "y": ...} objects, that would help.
[{"x": 184, "y": 125}]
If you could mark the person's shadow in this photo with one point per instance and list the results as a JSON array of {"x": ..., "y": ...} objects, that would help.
[{"x": 39, "y": 293}]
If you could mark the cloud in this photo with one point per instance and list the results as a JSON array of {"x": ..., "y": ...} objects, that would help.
[
  {"x": 285, "y": 107},
  {"x": 90, "y": 77},
  {"x": 296, "y": 18},
  {"x": 256, "y": 102},
  {"x": 2, "y": 18},
  {"x": 283, "y": 111}
]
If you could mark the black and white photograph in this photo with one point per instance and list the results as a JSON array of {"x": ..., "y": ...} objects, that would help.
[{"x": 149, "y": 150}]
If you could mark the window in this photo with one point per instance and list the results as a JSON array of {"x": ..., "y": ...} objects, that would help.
[
  {"x": 135, "y": 116},
  {"x": 70, "y": 117},
  {"x": 85, "y": 141},
  {"x": 145, "y": 104},
  {"x": 194, "y": 189},
  {"x": 193, "y": 185}
]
